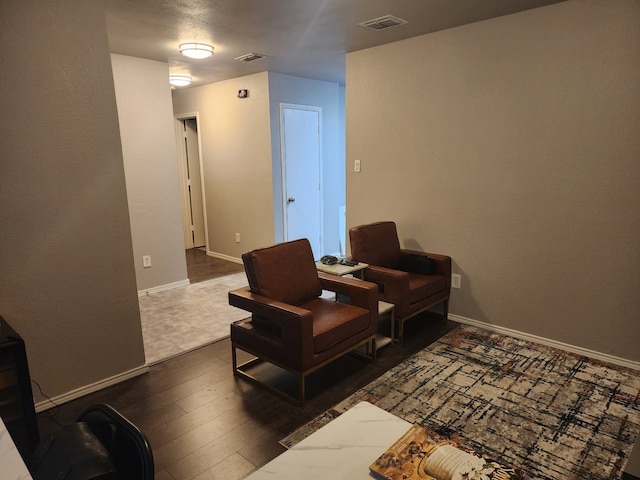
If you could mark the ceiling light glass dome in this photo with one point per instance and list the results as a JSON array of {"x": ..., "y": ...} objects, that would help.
[
  {"x": 179, "y": 80},
  {"x": 196, "y": 50}
]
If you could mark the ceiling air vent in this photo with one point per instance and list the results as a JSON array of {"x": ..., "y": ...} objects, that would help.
[
  {"x": 250, "y": 57},
  {"x": 383, "y": 23}
]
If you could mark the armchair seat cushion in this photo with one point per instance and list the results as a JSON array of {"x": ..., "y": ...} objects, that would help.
[
  {"x": 423, "y": 286},
  {"x": 334, "y": 322}
]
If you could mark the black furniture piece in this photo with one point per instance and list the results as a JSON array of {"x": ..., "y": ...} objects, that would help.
[
  {"x": 16, "y": 397},
  {"x": 102, "y": 444}
]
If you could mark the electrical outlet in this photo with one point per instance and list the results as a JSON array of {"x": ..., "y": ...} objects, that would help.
[
  {"x": 356, "y": 166},
  {"x": 146, "y": 261},
  {"x": 456, "y": 280},
  {"x": 237, "y": 238}
]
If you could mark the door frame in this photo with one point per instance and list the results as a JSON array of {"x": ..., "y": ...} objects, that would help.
[
  {"x": 184, "y": 191},
  {"x": 283, "y": 169}
]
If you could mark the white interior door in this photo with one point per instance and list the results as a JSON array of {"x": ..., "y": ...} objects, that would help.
[
  {"x": 195, "y": 182},
  {"x": 192, "y": 191},
  {"x": 301, "y": 170}
]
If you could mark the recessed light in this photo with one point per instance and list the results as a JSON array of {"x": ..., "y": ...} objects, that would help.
[
  {"x": 196, "y": 50},
  {"x": 179, "y": 80}
]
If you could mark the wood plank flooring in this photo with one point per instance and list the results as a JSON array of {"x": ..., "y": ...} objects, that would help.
[
  {"x": 201, "y": 267},
  {"x": 203, "y": 423}
]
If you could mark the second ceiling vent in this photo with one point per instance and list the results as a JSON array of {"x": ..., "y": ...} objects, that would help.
[
  {"x": 250, "y": 57},
  {"x": 382, "y": 23}
]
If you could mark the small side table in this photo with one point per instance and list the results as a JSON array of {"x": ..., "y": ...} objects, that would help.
[
  {"x": 341, "y": 270},
  {"x": 385, "y": 308}
]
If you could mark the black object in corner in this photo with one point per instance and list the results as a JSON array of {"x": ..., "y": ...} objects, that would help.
[
  {"x": 414, "y": 263},
  {"x": 16, "y": 397}
]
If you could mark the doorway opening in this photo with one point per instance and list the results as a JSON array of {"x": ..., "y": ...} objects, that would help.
[
  {"x": 191, "y": 182},
  {"x": 301, "y": 163}
]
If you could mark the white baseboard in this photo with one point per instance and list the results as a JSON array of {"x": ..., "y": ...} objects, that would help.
[
  {"x": 224, "y": 257},
  {"x": 622, "y": 362},
  {"x": 161, "y": 288},
  {"x": 91, "y": 388}
]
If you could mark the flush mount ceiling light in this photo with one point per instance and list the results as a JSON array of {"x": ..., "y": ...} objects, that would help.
[
  {"x": 196, "y": 50},
  {"x": 179, "y": 80}
]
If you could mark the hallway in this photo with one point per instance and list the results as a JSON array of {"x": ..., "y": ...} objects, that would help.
[{"x": 201, "y": 267}]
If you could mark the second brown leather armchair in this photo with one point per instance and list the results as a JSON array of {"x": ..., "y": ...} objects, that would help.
[{"x": 412, "y": 281}]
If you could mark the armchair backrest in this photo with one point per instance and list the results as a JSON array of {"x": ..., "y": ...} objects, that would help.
[
  {"x": 375, "y": 244},
  {"x": 285, "y": 272}
]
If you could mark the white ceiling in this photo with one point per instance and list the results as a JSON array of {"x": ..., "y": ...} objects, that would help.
[{"x": 305, "y": 38}]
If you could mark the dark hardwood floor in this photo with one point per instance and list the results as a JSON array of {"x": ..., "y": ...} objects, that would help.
[
  {"x": 201, "y": 267},
  {"x": 204, "y": 423}
]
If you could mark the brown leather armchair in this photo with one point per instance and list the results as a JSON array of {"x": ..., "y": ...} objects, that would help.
[
  {"x": 412, "y": 281},
  {"x": 291, "y": 326}
]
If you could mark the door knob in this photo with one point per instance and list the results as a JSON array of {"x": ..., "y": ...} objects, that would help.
[{"x": 291, "y": 200}]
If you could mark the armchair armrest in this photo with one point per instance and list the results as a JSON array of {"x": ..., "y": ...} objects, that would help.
[
  {"x": 393, "y": 284},
  {"x": 443, "y": 262},
  {"x": 361, "y": 293},
  {"x": 296, "y": 323},
  {"x": 278, "y": 312}
]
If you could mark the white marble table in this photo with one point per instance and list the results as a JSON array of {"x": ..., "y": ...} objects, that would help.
[
  {"x": 342, "y": 449},
  {"x": 11, "y": 464}
]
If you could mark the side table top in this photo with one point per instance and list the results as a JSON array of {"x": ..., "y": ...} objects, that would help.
[{"x": 339, "y": 269}]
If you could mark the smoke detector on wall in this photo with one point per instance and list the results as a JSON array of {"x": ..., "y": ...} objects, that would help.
[{"x": 382, "y": 23}]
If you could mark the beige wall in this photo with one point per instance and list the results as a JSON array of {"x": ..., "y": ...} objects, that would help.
[
  {"x": 67, "y": 278},
  {"x": 288, "y": 89},
  {"x": 240, "y": 142},
  {"x": 236, "y": 157},
  {"x": 147, "y": 129},
  {"x": 512, "y": 145}
]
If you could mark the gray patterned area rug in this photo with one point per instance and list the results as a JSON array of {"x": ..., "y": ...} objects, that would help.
[
  {"x": 183, "y": 319},
  {"x": 550, "y": 413}
]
